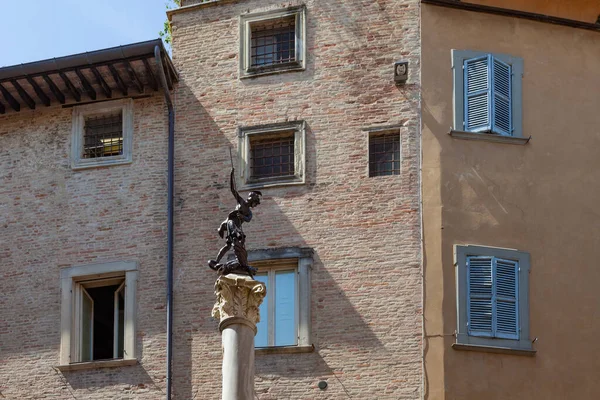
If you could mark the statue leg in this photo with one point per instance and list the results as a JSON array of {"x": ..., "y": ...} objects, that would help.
[{"x": 222, "y": 252}]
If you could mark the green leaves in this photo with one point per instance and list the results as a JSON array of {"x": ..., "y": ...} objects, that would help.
[{"x": 166, "y": 32}]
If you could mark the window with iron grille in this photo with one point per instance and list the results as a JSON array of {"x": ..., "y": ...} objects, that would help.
[
  {"x": 272, "y": 42},
  {"x": 102, "y": 134},
  {"x": 384, "y": 153},
  {"x": 272, "y": 154}
]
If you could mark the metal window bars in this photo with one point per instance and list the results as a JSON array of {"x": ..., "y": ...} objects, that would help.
[
  {"x": 384, "y": 154},
  {"x": 272, "y": 157},
  {"x": 273, "y": 43},
  {"x": 103, "y": 136}
]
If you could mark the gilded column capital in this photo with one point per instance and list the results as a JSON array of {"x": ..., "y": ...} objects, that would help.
[{"x": 238, "y": 299}]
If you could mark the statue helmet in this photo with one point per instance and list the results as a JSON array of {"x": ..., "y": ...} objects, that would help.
[{"x": 254, "y": 196}]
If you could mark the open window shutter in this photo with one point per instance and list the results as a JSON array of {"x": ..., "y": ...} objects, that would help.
[
  {"x": 119, "y": 321},
  {"x": 86, "y": 324},
  {"x": 501, "y": 103},
  {"x": 506, "y": 281},
  {"x": 477, "y": 102},
  {"x": 480, "y": 296}
]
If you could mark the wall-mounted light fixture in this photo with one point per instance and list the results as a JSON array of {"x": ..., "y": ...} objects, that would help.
[{"x": 400, "y": 72}]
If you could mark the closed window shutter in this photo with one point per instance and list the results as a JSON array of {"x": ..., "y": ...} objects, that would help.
[
  {"x": 477, "y": 79},
  {"x": 506, "y": 281},
  {"x": 492, "y": 300},
  {"x": 501, "y": 100},
  {"x": 480, "y": 296}
]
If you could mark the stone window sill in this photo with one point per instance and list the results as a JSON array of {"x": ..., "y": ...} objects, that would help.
[
  {"x": 267, "y": 184},
  {"x": 492, "y": 349},
  {"x": 97, "y": 364},
  {"x": 285, "y": 350},
  {"x": 489, "y": 137},
  {"x": 100, "y": 163},
  {"x": 279, "y": 69}
]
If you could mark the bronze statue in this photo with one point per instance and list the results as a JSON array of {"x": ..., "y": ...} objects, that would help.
[{"x": 231, "y": 231}]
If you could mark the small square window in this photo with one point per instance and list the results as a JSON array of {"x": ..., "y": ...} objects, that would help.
[
  {"x": 272, "y": 42},
  {"x": 98, "y": 312},
  {"x": 384, "y": 153},
  {"x": 493, "y": 303},
  {"x": 102, "y": 134},
  {"x": 285, "y": 310},
  {"x": 272, "y": 154}
]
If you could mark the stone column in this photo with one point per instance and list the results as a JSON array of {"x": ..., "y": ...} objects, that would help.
[{"x": 238, "y": 299}]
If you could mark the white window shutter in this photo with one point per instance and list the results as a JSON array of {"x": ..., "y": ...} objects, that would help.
[
  {"x": 478, "y": 94},
  {"x": 506, "y": 285},
  {"x": 502, "y": 98},
  {"x": 86, "y": 334},
  {"x": 480, "y": 296}
]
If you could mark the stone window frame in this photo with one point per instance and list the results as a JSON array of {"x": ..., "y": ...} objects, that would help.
[
  {"x": 246, "y": 21},
  {"x": 268, "y": 258},
  {"x": 69, "y": 278},
  {"x": 464, "y": 341},
  {"x": 77, "y": 133},
  {"x": 458, "y": 130},
  {"x": 244, "y": 136}
]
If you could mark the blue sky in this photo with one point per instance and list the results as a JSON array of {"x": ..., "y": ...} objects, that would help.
[{"x": 41, "y": 29}]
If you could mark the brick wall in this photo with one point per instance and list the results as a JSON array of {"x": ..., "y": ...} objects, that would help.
[
  {"x": 52, "y": 217},
  {"x": 366, "y": 281}
]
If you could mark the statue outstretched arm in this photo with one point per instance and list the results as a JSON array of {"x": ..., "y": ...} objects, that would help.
[{"x": 237, "y": 196}]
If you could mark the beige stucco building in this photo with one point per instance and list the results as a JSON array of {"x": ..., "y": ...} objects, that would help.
[
  {"x": 303, "y": 93},
  {"x": 534, "y": 191}
]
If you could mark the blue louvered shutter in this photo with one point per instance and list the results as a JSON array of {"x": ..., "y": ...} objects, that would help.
[
  {"x": 480, "y": 296},
  {"x": 501, "y": 98},
  {"x": 477, "y": 92},
  {"x": 506, "y": 285}
]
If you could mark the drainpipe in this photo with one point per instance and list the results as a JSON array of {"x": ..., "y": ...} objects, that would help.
[{"x": 170, "y": 184}]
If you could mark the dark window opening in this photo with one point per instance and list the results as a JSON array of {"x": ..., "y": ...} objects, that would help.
[
  {"x": 272, "y": 156},
  {"x": 384, "y": 154},
  {"x": 108, "y": 321},
  {"x": 103, "y": 136},
  {"x": 273, "y": 42}
]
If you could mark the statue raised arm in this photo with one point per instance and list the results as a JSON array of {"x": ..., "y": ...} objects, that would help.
[{"x": 234, "y": 191}]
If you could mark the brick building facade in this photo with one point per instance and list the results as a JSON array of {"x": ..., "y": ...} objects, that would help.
[{"x": 362, "y": 325}]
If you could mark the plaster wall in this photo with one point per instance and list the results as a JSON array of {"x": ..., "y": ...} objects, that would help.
[
  {"x": 52, "y": 217},
  {"x": 579, "y": 10},
  {"x": 365, "y": 232},
  {"x": 540, "y": 197}
]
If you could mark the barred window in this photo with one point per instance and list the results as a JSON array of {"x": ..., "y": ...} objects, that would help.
[
  {"x": 103, "y": 135},
  {"x": 384, "y": 154},
  {"x": 273, "y": 42},
  {"x": 272, "y": 156}
]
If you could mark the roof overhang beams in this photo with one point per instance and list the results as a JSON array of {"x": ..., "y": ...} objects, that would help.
[{"x": 117, "y": 72}]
